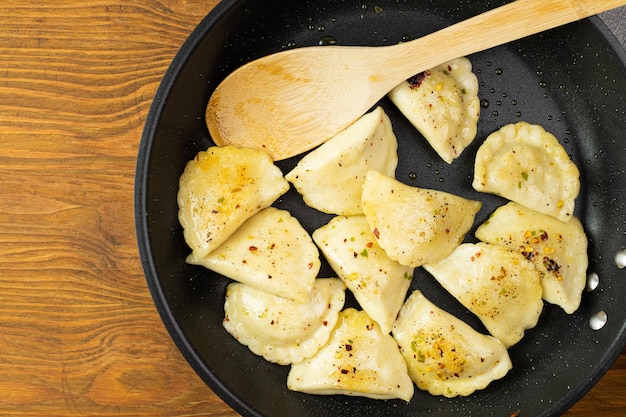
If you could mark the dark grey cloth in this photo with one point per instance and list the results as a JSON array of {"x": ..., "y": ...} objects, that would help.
[{"x": 616, "y": 21}]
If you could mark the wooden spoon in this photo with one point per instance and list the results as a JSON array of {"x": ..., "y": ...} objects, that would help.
[{"x": 292, "y": 101}]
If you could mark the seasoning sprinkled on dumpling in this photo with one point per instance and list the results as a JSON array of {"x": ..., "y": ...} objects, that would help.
[
  {"x": 282, "y": 330},
  {"x": 444, "y": 355},
  {"x": 220, "y": 189},
  {"x": 415, "y": 225},
  {"x": 442, "y": 103},
  {"x": 358, "y": 360},
  {"x": 524, "y": 163}
]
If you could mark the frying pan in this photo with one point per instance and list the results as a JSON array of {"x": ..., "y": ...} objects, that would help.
[{"x": 570, "y": 80}]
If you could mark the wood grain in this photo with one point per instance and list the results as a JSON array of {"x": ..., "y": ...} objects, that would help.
[{"x": 79, "y": 334}]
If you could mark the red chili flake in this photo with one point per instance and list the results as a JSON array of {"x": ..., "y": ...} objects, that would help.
[
  {"x": 376, "y": 233},
  {"x": 253, "y": 248},
  {"x": 515, "y": 413},
  {"x": 310, "y": 265},
  {"x": 551, "y": 265},
  {"x": 527, "y": 252},
  {"x": 416, "y": 80},
  {"x": 369, "y": 244},
  {"x": 325, "y": 323}
]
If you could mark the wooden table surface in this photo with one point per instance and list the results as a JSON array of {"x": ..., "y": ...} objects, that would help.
[{"x": 79, "y": 334}]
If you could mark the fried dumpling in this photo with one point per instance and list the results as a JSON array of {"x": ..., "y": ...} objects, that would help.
[
  {"x": 443, "y": 105},
  {"x": 378, "y": 283},
  {"x": 414, "y": 225},
  {"x": 444, "y": 355},
  {"x": 282, "y": 330},
  {"x": 496, "y": 284},
  {"x": 270, "y": 251},
  {"x": 558, "y": 249},
  {"x": 524, "y": 163},
  {"x": 330, "y": 178},
  {"x": 358, "y": 360},
  {"x": 220, "y": 189}
]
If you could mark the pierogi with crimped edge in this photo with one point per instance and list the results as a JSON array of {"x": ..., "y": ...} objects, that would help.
[
  {"x": 524, "y": 163},
  {"x": 415, "y": 225},
  {"x": 358, "y": 360},
  {"x": 558, "y": 249},
  {"x": 497, "y": 284},
  {"x": 444, "y": 355},
  {"x": 283, "y": 331},
  {"x": 378, "y": 283},
  {"x": 270, "y": 251},
  {"x": 330, "y": 177},
  {"x": 442, "y": 103},
  {"x": 220, "y": 189}
]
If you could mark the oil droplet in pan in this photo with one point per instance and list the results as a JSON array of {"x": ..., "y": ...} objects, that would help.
[
  {"x": 620, "y": 258},
  {"x": 598, "y": 320},
  {"x": 327, "y": 40},
  {"x": 592, "y": 281}
]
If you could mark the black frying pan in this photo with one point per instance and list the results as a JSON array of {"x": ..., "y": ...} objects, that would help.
[{"x": 571, "y": 80}]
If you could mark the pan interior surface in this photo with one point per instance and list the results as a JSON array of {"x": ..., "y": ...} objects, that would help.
[{"x": 571, "y": 81}]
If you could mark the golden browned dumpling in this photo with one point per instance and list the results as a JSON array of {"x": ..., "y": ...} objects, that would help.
[
  {"x": 415, "y": 225},
  {"x": 526, "y": 164},
  {"x": 358, "y": 360},
  {"x": 330, "y": 178},
  {"x": 378, "y": 282},
  {"x": 282, "y": 330},
  {"x": 442, "y": 103},
  {"x": 220, "y": 189},
  {"x": 497, "y": 284},
  {"x": 558, "y": 249},
  {"x": 444, "y": 355},
  {"x": 270, "y": 251}
]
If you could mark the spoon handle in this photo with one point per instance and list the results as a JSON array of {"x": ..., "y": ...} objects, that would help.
[{"x": 498, "y": 26}]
